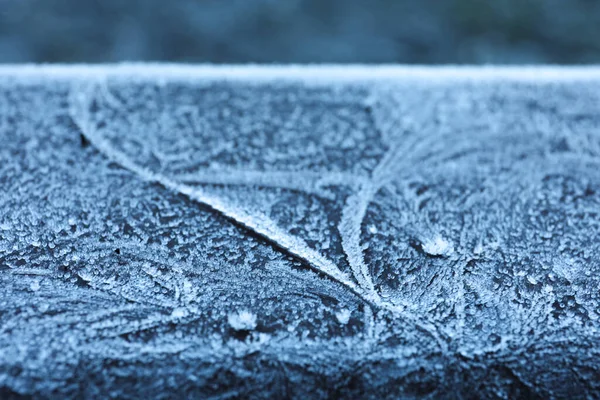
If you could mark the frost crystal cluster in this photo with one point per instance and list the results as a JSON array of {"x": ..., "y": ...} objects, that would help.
[{"x": 296, "y": 232}]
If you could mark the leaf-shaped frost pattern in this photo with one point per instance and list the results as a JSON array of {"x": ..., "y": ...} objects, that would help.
[
  {"x": 252, "y": 208},
  {"x": 99, "y": 112}
]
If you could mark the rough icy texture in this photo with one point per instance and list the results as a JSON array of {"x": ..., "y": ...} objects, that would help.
[{"x": 177, "y": 232}]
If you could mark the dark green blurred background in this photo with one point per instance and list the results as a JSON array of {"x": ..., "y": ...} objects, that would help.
[{"x": 301, "y": 31}]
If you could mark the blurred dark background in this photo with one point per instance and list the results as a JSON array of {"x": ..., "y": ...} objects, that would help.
[{"x": 301, "y": 31}]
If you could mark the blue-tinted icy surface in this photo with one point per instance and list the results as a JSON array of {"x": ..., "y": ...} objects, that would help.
[{"x": 273, "y": 232}]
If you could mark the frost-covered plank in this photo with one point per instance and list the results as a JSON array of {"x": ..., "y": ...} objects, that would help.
[{"x": 279, "y": 231}]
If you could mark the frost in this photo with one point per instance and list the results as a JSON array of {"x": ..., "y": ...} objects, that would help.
[
  {"x": 416, "y": 225},
  {"x": 179, "y": 312},
  {"x": 532, "y": 280},
  {"x": 343, "y": 316},
  {"x": 437, "y": 246},
  {"x": 242, "y": 320},
  {"x": 35, "y": 285}
]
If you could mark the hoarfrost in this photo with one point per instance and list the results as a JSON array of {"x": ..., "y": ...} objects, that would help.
[
  {"x": 435, "y": 232},
  {"x": 343, "y": 316},
  {"x": 437, "y": 246},
  {"x": 242, "y": 320}
]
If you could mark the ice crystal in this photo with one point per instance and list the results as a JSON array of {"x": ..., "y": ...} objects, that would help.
[{"x": 242, "y": 320}]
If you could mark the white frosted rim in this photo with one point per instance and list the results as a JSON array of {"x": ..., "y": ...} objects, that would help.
[{"x": 305, "y": 73}]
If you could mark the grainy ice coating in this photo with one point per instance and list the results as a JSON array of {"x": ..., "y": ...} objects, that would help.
[{"x": 317, "y": 232}]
